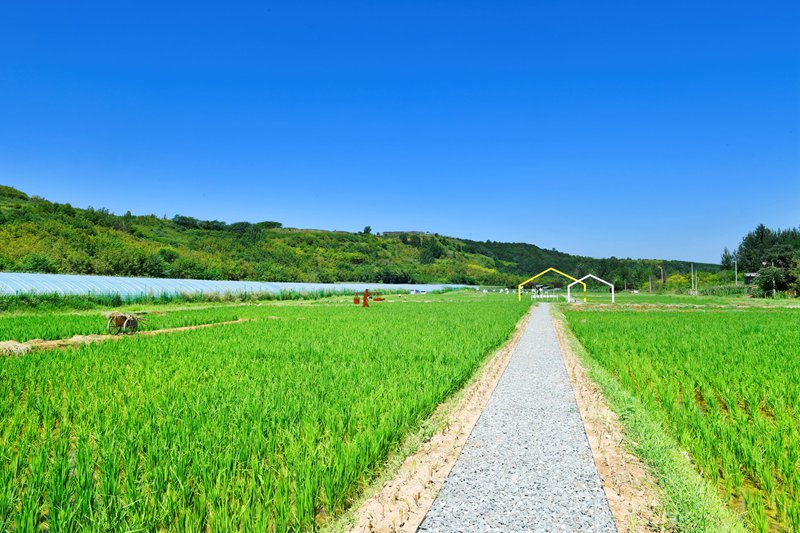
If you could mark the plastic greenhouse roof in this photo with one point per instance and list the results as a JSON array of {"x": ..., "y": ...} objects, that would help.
[{"x": 20, "y": 283}]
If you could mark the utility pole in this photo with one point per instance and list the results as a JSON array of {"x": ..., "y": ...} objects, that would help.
[
  {"x": 736, "y": 272},
  {"x": 773, "y": 281},
  {"x": 692, "y": 275},
  {"x": 651, "y": 282}
]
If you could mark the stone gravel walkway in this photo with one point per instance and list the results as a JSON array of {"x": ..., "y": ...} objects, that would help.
[{"x": 527, "y": 465}]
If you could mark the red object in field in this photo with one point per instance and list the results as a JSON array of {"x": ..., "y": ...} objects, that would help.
[{"x": 364, "y": 301}]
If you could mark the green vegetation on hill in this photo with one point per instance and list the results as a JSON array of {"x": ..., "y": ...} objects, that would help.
[
  {"x": 526, "y": 259},
  {"x": 37, "y": 235}
]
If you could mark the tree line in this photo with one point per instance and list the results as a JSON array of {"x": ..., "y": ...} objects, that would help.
[{"x": 770, "y": 257}]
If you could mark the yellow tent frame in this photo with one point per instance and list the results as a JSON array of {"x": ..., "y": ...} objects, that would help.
[{"x": 542, "y": 273}]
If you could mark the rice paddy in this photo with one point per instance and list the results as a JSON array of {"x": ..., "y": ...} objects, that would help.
[
  {"x": 725, "y": 383},
  {"x": 23, "y": 328},
  {"x": 269, "y": 425},
  {"x": 280, "y": 422}
]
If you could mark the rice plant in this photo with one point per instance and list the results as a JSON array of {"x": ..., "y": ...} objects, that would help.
[
  {"x": 51, "y": 326},
  {"x": 268, "y": 425},
  {"x": 726, "y": 385}
]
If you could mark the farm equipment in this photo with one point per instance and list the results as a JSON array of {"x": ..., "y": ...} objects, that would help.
[{"x": 122, "y": 323}]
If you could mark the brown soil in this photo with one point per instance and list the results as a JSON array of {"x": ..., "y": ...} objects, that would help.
[
  {"x": 401, "y": 503},
  {"x": 631, "y": 491},
  {"x": 39, "y": 344}
]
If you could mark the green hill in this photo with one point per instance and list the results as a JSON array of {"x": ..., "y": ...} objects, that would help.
[{"x": 41, "y": 236}]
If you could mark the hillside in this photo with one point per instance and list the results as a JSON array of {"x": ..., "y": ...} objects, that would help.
[{"x": 37, "y": 235}]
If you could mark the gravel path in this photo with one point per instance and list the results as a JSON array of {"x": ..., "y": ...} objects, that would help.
[{"x": 527, "y": 465}]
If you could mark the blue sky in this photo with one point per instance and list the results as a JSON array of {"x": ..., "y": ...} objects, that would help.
[{"x": 635, "y": 129}]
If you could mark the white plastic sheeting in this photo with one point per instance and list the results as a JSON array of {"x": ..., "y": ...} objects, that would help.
[{"x": 19, "y": 283}]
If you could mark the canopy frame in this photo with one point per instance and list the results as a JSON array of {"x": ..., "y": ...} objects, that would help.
[
  {"x": 569, "y": 299},
  {"x": 542, "y": 273}
]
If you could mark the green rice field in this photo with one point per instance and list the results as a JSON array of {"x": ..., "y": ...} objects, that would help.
[
  {"x": 268, "y": 425},
  {"x": 52, "y": 326},
  {"x": 725, "y": 383}
]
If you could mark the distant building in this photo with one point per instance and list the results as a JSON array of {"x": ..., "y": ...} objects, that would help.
[{"x": 750, "y": 277}]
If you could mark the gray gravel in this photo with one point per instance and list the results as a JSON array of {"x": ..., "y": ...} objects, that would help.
[{"x": 527, "y": 465}]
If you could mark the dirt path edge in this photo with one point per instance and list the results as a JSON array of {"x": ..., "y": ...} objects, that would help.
[
  {"x": 399, "y": 504},
  {"x": 39, "y": 344},
  {"x": 632, "y": 493}
]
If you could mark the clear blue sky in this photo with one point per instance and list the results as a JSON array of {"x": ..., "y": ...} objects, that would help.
[{"x": 641, "y": 129}]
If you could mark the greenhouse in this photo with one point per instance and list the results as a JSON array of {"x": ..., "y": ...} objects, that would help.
[{"x": 20, "y": 283}]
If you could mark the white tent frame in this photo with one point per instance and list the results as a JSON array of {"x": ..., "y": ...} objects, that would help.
[{"x": 569, "y": 298}]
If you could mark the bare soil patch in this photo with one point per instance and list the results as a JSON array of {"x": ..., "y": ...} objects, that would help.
[
  {"x": 401, "y": 503},
  {"x": 631, "y": 491}
]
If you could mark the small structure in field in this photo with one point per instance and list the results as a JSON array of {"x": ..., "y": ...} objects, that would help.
[
  {"x": 587, "y": 276},
  {"x": 124, "y": 323}
]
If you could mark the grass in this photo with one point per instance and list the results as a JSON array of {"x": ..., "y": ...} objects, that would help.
[
  {"x": 269, "y": 425},
  {"x": 725, "y": 385}
]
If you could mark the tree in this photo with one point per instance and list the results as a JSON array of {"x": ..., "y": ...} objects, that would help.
[
  {"x": 765, "y": 245},
  {"x": 168, "y": 255},
  {"x": 773, "y": 253},
  {"x": 367, "y": 230},
  {"x": 727, "y": 259},
  {"x": 11, "y": 192},
  {"x": 127, "y": 221},
  {"x": 677, "y": 282},
  {"x": 770, "y": 280},
  {"x": 430, "y": 251},
  {"x": 185, "y": 222},
  {"x": 37, "y": 263},
  {"x": 794, "y": 275},
  {"x": 754, "y": 246},
  {"x": 780, "y": 255}
]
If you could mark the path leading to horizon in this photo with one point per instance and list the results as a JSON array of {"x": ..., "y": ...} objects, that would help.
[{"x": 527, "y": 465}]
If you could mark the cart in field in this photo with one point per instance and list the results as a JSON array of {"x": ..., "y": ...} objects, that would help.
[{"x": 122, "y": 323}]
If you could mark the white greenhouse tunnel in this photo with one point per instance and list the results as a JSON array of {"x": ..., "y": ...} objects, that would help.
[{"x": 20, "y": 283}]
